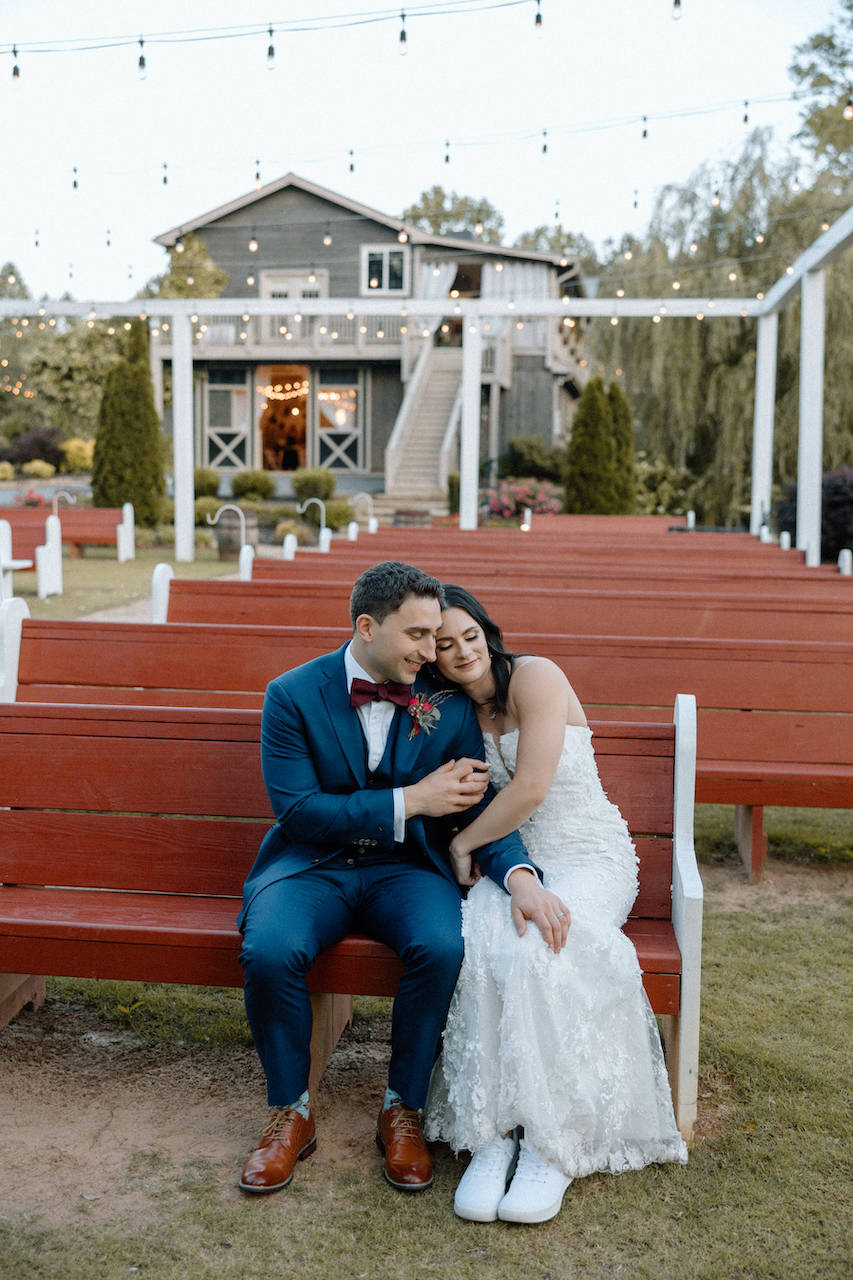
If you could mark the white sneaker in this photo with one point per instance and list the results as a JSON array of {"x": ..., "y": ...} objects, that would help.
[
  {"x": 483, "y": 1183},
  {"x": 536, "y": 1191}
]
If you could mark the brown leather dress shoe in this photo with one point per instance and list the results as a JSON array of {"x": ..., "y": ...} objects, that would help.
[
  {"x": 288, "y": 1137},
  {"x": 408, "y": 1164}
]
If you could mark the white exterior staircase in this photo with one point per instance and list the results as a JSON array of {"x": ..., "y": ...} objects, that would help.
[{"x": 415, "y": 472}]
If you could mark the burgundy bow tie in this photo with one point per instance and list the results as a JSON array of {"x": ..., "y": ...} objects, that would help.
[{"x": 362, "y": 691}]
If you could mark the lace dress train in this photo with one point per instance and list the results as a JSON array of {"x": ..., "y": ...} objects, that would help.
[{"x": 565, "y": 1045}]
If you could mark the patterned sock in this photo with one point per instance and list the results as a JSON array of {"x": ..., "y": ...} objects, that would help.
[
  {"x": 392, "y": 1099},
  {"x": 302, "y": 1105}
]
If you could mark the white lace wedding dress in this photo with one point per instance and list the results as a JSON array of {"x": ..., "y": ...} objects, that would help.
[{"x": 565, "y": 1045}]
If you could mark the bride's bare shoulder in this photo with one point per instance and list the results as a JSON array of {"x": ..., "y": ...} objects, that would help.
[{"x": 538, "y": 683}]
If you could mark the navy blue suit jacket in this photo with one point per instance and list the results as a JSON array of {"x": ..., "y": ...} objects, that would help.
[{"x": 315, "y": 771}]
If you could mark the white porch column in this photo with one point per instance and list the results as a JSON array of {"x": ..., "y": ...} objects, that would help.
[
  {"x": 469, "y": 466},
  {"x": 763, "y": 420},
  {"x": 494, "y": 427},
  {"x": 810, "y": 440},
  {"x": 182, "y": 428}
]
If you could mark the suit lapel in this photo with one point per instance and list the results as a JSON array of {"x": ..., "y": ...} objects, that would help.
[
  {"x": 344, "y": 720},
  {"x": 405, "y": 748}
]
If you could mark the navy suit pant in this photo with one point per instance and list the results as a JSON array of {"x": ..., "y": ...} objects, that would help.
[{"x": 413, "y": 909}]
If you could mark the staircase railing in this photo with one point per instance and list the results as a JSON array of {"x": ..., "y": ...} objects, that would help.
[
  {"x": 396, "y": 446},
  {"x": 448, "y": 458}
]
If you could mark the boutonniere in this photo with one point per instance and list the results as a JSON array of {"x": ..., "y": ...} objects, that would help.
[{"x": 423, "y": 708}]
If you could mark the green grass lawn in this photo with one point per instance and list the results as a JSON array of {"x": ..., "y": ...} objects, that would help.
[
  {"x": 763, "y": 1196},
  {"x": 97, "y": 581}
]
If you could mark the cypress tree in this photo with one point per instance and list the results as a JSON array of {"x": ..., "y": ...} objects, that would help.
[
  {"x": 625, "y": 474},
  {"x": 128, "y": 462},
  {"x": 590, "y": 458}
]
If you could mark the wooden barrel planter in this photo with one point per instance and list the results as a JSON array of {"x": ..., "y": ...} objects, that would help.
[{"x": 227, "y": 530}]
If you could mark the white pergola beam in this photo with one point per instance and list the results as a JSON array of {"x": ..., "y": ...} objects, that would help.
[
  {"x": 824, "y": 250},
  {"x": 810, "y": 442},
  {"x": 763, "y": 421},
  {"x": 469, "y": 452},
  {"x": 182, "y": 437}
]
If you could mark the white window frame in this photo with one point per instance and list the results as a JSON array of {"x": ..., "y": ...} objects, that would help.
[{"x": 385, "y": 249}]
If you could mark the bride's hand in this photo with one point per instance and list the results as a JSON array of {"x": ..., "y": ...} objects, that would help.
[{"x": 466, "y": 871}]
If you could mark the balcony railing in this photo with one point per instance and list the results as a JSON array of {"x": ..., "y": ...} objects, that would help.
[{"x": 316, "y": 333}]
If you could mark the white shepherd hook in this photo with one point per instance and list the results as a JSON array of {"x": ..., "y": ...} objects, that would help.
[
  {"x": 63, "y": 493},
  {"x": 229, "y": 506},
  {"x": 372, "y": 522},
  {"x": 324, "y": 537}
]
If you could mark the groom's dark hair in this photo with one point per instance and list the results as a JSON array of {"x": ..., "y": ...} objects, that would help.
[{"x": 383, "y": 587}]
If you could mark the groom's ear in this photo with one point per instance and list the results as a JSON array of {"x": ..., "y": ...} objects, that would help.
[{"x": 365, "y": 627}]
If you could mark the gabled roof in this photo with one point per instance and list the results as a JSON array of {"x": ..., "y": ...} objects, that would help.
[{"x": 416, "y": 234}]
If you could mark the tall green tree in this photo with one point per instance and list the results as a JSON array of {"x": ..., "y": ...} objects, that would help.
[
  {"x": 822, "y": 67},
  {"x": 192, "y": 273},
  {"x": 128, "y": 464},
  {"x": 624, "y": 462},
  {"x": 556, "y": 239},
  {"x": 445, "y": 213},
  {"x": 590, "y": 486},
  {"x": 67, "y": 369}
]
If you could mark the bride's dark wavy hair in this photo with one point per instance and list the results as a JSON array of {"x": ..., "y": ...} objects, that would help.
[{"x": 502, "y": 660}]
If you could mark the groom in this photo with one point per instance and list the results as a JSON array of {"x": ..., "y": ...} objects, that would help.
[{"x": 367, "y": 773}]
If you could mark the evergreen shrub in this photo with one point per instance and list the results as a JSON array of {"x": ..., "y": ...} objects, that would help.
[
  {"x": 43, "y": 443},
  {"x": 339, "y": 512},
  {"x": 625, "y": 473},
  {"x": 662, "y": 489},
  {"x": 205, "y": 482},
  {"x": 590, "y": 469},
  {"x": 38, "y": 469},
  {"x": 836, "y": 513},
  {"x": 313, "y": 482},
  {"x": 530, "y": 456},
  {"x": 7, "y": 471},
  {"x": 129, "y": 457},
  {"x": 204, "y": 507},
  {"x": 253, "y": 484},
  {"x": 77, "y": 454},
  {"x": 304, "y": 533}
]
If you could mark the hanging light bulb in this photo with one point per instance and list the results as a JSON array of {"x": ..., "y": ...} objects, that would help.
[
  {"x": 795, "y": 185},
  {"x": 141, "y": 66},
  {"x": 402, "y": 235},
  {"x": 250, "y": 280},
  {"x": 74, "y": 184},
  {"x": 759, "y": 238},
  {"x": 620, "y": 292},
  {"x": 352, "y": 162},
  {"x": 694, "y": 248},
  {"x": 270, "y": 54},
  {"x": 16, "y": 70},
  {"x": 36, "y": 240},
  {"x": 253, "y": 244},
  {"x": 645, "y": 127},
  {"x": 312, "y": 276},
  {"x": 109, "y": 240},
  {"x": 745, "y": 111},
  {"x": 404, "y": 48},
  {"x": 257, "y": 175},
  {"x": 636, "y": 198},
  {"x": 447, "y": 152},
  {"x": 190, "y": 279},
  {"x": 544, "y": 142},
  {"x": 327, "y": 237},
  {"x": 847, "y": 113},
  {"x": 676, "y": 10},
  {"x": 179, "y": 244},
  {"x": 716, "y": 200},
  {"x": 165, "y": 174},
  {"x": 676, "y": 284},
  {"x": 478, "y": 227},
  {"x": 627, "y": 255},
  {"x": 732, "y": 276},
  {"x": 824, "y": 226},
  {"x": 537, "y": 21}
]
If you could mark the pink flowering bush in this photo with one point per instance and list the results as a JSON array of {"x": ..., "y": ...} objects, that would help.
[{"x": 509, "y": 498}]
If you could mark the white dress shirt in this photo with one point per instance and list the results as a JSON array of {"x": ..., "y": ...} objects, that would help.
[{"x": 376, "y": 720}]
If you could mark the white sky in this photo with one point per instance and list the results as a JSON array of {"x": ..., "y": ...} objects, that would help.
[{"x": 484, "y": 80}]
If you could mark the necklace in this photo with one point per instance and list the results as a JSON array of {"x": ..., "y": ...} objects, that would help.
[{"x": 493, "y": 713}]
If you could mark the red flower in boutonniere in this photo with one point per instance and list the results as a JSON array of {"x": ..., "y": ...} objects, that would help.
[{"x": 423, "y": 708}]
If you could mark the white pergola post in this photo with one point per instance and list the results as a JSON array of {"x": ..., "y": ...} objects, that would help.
[
  {"x": 182, "y": 428},
  {"x": 810, "y": 441},
  {"x": 469, "y": 463},
  {"x": 763, "y": 420}
]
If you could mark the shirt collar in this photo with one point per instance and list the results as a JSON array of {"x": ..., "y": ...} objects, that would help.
[{"x": 353, "y": 669}]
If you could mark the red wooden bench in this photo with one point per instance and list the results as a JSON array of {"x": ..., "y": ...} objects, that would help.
[
  {"x": 587, "y": 610},
  {"x": 775, "y": 716},
  {"x": 126, "y": 833},
  {"x": 81, "y": 527}
]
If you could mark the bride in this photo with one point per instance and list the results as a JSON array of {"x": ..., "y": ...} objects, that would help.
[{"x": 559, "y": 1041}]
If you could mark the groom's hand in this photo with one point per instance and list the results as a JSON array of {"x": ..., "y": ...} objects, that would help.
[
  {"x": 453, "y": 787},
  {"x": 529, "y": 900}
]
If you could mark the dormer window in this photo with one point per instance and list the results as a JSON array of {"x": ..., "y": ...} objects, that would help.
[{"x": 385, "y": 269}]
